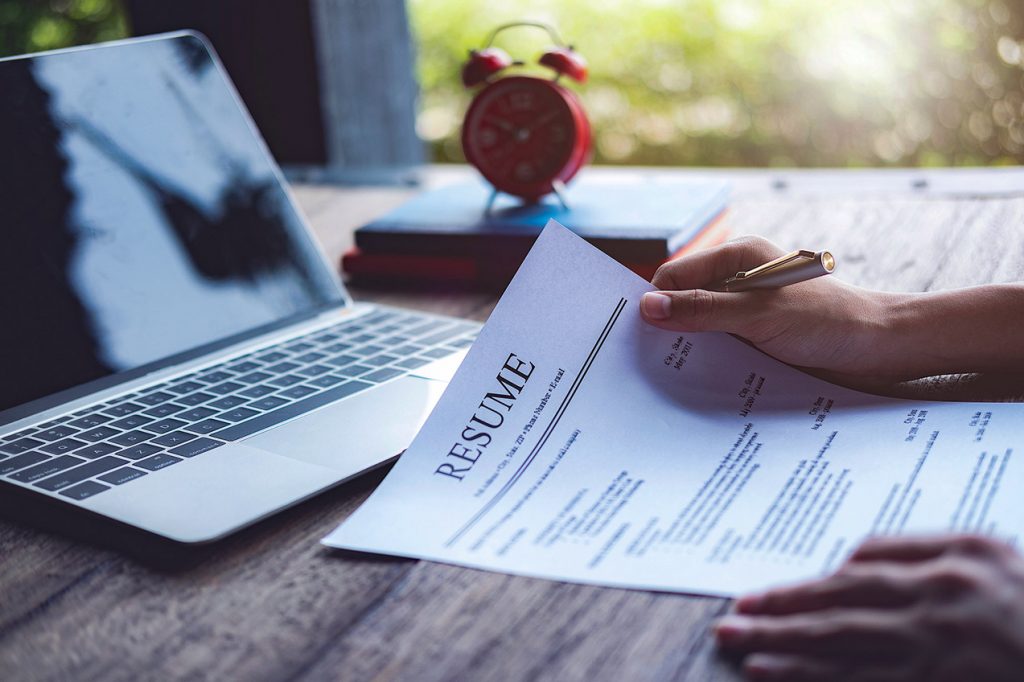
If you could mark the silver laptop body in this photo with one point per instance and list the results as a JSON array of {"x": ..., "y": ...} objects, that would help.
[{"x": 177, "y": 354}]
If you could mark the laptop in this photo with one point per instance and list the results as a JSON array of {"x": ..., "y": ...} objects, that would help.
[{"x": 176, "y": 353}]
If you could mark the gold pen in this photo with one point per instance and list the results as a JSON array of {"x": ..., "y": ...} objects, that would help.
[{"x": 792, "y": 268}]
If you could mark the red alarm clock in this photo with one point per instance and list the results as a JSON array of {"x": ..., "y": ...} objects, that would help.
[{"x": 527, "y": 136}]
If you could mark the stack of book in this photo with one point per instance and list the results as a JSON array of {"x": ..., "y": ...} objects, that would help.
[{"x": 448, "y": 235}]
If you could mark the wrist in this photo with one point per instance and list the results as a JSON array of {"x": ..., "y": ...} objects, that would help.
[{"x": 891, "y": 321}]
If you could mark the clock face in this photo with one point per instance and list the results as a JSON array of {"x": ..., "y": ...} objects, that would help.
[{"x": 524, "y": 133}]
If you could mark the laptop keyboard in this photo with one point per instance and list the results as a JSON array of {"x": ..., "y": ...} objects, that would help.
[{"x": 113, "y": 443}]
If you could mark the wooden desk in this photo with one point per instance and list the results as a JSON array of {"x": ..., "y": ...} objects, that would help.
[{"x": 270, "y": 603}]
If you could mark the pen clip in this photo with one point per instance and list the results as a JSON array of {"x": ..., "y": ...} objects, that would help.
[{"x": 779, "y": 263}]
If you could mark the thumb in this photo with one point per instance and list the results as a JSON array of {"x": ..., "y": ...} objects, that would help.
[{"x": 697, "y": 310}]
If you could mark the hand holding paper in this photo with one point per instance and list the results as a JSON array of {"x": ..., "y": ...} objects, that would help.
[{"x": 578, "y": 442}]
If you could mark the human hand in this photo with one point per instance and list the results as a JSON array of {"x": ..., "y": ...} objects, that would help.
[
  {"x": 941, "y": 609},
  {"x": 822, "y": 324}
]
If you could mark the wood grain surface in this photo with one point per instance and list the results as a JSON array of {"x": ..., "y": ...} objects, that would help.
[{"x": 86, "y": 600}]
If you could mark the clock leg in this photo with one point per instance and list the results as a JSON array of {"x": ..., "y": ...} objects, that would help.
[
  {"x": 490, "y": 201},
  {"x": 561, "y": 191}
]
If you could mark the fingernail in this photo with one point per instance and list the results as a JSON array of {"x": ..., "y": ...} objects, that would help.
[
  {"x": 656, "y": 306},
  {"x": 732, "y": 629},
  {"x": 764, "y": 666}
]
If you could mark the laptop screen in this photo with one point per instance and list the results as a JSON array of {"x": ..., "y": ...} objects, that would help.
[{"x": 140, "y": 217}]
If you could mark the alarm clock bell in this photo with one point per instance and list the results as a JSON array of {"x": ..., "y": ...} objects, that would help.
[{"x": 528, "y": 136}]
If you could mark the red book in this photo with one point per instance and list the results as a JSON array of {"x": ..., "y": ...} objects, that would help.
[{"x": 399, "y": 268}]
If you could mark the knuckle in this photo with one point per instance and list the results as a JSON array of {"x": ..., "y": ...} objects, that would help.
[
  {"x": 663, "y": 275},
  {"x": 701, "y": 306},
  {"x": 757, "y": 244},
  {"x": 977, "y": 545},
  {"x": 951, "y": 579}
]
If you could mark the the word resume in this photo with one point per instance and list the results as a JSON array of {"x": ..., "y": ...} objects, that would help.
[{"x": 576, "y": 442}]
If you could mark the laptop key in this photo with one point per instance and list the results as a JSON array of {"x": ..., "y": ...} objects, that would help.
[
  {"x": 326, "y": 381},
  {"x": 267, "y": 403},
  {"x": 80, "y": 473},
  {"x": 122, "y": 409},
  {"x": 225, "y": 388},
  {"x": 196, "y": 447},
  {"x": 185, "y": 387},
  {"x": 122, "y": 475},
  {"x": 131, "y": 437},
  {"x": 354, "y": 370},
  {"x": 47, "y": 468},
  {"x": 155, "y": 398},
  {"x": 139, "y": 451},
  {"x": 254, "y": 377},
  {"x": 84, "y": 490},
  {"x": 163, "y": 410},
  {"x": 384, "y": 374},
  {"x": 16, "y": 447},
  {"x": 214, "y": 377},
  {"x": 173, "y": 438},
  {"x": 314, "y": 370},
  {"x": 296, "y": 392},
  {"x": 238, "y": 414},
  {"x": 436, "y": 353},
  {"x": 22, "y": 461},
  {"x": 157, "y": 462},
  {"x": 282, "y": 367},
  {"x": 242, "y": 367},
  {"x": 442, "y": 336},
  {"x": 337, "y": 347},
  {"x": 298, "y": 347},
  {"x": 206, "y": 426},
  {"x": 257, "y": 391},
  {"x": 311, "y": 356},
  {"x": 342, "y": 360},
  {"x": 412, "y": 363},
  {"x": 381, "y": 360},
  {"x": 132, "y": 421},
  {"x": 268, "y": 419},
  {"x": 94, "y": 450},
  {"x": 102, "y": 433},
  {"x": 164, "y": 426},
  {"x": 227, "y": 402},
  {"x": 89, "y": 421},
  {"x": 367, "y": 351},
  {"x": 55, "y": 433},
  {"x": 60, "y": 447},
  {"x": 195, "y": 414},
  {"x": 273, "y": 356},
  {"x": 195, "y": 398},
  {"x": 286, "y": 380}
]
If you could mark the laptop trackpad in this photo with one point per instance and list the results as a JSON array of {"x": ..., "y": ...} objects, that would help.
[{"x": 359, "y": 432}]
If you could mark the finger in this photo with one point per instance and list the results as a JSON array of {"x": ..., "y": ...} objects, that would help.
[
  {"x": 924, "y": 548},
  {"x": 708, "y": 266},
  {"x": 793, "y": 668},
  {"x": 697, "y": 310},
  {"x": 875, "y": 585},
  {"x": 842, "y": 632},
  {"x": 789, "y": 667}
]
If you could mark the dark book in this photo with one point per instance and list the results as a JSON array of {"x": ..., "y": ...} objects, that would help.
[
  {"x": 639, "y": 220},
  {"x": 404, "y": 269}
]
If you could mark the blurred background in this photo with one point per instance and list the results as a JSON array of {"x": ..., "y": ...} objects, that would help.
[{"x": 843, "y": 83}]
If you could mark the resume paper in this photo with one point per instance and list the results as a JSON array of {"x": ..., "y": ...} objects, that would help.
[{"x": 578, "y": 443}]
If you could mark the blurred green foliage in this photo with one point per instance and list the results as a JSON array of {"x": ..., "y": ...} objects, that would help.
[
  {"x": 34, "y": 25},
  {"x": 712, "y": 82},
  {"x": 759, "y": 82}
]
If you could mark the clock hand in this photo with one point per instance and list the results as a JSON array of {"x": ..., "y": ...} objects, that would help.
[
  {"x": 501, "y": 123},
  {"x": 541, "y": 121}
]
